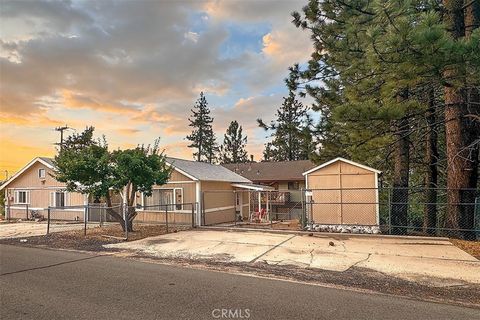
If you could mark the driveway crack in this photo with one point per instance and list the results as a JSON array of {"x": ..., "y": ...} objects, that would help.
[
  {"x": 358, "y": 262},
  {"x": 271, "y": 249}
]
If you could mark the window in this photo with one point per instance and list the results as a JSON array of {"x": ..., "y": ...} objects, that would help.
[
  {"x": 160, "y": 198},
  {"x": 294, "y": 185},
  {"x": 41, "y": 173},
  {"x": 58, "y": 199},
  {"x": 22, "y": 197}
]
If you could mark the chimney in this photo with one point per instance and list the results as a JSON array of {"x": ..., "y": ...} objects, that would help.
[{"x": 251, "y": 158}]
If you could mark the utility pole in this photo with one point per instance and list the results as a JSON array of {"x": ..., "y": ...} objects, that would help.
[
  {"x": 61, "y": 129},
  {"x": 6, "y": 175}
]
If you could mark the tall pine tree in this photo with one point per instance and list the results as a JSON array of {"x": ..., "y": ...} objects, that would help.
[
  {"x": 291, "y": 133},
  {"x": 233, "y": 148},
  {"x": 371, "y": 73},
  {"x": 202, "y": 137}
]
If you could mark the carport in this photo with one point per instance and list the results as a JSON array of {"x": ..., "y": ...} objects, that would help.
[{"x": 258, "y": 199}]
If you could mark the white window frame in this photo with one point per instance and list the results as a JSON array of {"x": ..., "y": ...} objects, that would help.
[
  {"x": 53, "y": 198},
  {"x": 174, "y": 198},
  {"x": 40, "y": 176},
  {"x": 16, "y": 197}
]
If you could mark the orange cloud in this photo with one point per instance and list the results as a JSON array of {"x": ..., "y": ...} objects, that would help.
[{"x": 34, "y": 120}]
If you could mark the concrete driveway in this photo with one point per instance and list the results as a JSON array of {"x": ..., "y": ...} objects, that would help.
[
  {"x": 31, "y": 229},
  {"x": 432, "y": 260}
]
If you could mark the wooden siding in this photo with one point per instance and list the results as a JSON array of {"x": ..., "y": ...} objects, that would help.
[
  {"x": 340, "y": 205},
  {"x": 220, "y": 216},
  {"x": 39, "y": 195}
]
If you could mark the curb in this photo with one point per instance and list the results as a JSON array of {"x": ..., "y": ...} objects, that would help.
[{"x": 320, "y": 234}]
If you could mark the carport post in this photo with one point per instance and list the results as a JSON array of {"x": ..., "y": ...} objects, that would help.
[
  {"x": 26, "y": 210},
  {"x": 259, "y": 201},
  {"x": 48, "y": 220}
]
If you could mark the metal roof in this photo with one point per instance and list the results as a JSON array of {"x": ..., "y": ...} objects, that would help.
[{"x": 203, "y": 171}]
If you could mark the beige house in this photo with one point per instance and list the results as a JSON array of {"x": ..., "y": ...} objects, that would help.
[
  {"x": 203, "y": 188},
  {"x": 33, "y": 189},
  {"x": 341, "y": 191},
  {"x": 209, "y": 187}
]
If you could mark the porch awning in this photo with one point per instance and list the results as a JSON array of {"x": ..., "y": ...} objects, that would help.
[{"x": 251, "y": 186}]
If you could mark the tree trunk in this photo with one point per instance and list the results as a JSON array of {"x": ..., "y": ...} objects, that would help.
[
  {"x": 115, "y": 215},
  {"x": 461, "y": 132},
  {"x": 399, "y": 209},
  {"x": 431, "y": 159}
]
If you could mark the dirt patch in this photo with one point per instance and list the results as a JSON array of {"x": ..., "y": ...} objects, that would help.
[
  {"x": 95, "y": 238},
  {"x": 354, "y": 277},
  {"x": 470, "y": 247}
]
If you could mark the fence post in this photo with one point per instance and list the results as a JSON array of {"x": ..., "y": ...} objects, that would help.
[
  {"x": 86, "y": 212},
  {"x": 193, "y": 215},
  {"x": 48, "y": 220},
  {"x": 304, "y": 214},
  {"x": 166, "y": 217},
  {"x": 125, "y": 216},
  {"x": 26, "y": 210},
  {"x": 100, "y": 213},
  {"x": 389, "y": 203}
]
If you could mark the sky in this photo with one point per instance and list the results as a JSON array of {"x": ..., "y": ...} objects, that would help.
[{"x": 134, "y": 69}]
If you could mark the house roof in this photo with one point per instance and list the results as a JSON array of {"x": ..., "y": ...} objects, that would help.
[
  {"x": 198, "y": 171},
  {"x": 272, "y": 171},
  {"x": 202, "y": 171},
  {"x": 344, "y": 160},
  {"x": 48, "y": 162}
]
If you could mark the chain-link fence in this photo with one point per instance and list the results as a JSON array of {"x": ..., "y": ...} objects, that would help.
[
  {"x": 67, "y": 218},
  {"x": 399, "y": 211},
  {"x": 254, "y": 208},
  {"x": 109, "y": 221}
]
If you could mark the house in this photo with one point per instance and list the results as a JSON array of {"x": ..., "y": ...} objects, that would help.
[
  {"x": 285, "y": 177},
  {"x": 207, "y": 189},
  {"x": 210, "y": 187},
  {"x": 282, "y": 175},
  {"x": 33, "y": 189},
  {"x": 341, "y": 191}
]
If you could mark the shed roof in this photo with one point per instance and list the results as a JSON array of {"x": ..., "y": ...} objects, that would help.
[
  {"x": 203, "y": 171},
  {"x": 344, "y": 160},
  {"x": 272, "y": 171}
]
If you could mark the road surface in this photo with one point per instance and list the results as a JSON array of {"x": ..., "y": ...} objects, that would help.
[{"x": 47, "y": 284}]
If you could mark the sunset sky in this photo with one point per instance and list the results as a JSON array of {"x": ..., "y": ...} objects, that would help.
[{"x": 133, "y": 69}]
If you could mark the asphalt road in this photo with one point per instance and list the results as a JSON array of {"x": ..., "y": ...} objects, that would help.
[{"x": 48, "y": 284}]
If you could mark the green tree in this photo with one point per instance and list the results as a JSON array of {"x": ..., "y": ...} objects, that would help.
[
  {"x": 291, "y": 134},
  {"x": 371, "y": 74},
  {"x": 234, "y": 143},
  {"x": 202, "y": 137},
  {"x": 86, "y": 166}
]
